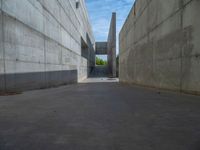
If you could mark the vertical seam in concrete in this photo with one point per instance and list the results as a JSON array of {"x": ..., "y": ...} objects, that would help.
[
  {"x": 114, "y": 36},
  {"x": 3, "y": 44},
  {"x": 181, "y": 26},
  {"x": 45, "y": 70}
]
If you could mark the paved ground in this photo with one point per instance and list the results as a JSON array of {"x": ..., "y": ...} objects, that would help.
[
  {"x": 100, "y": 80},
  {"x": 99, "y": 71},
  {"x": 99, "y": 116}
]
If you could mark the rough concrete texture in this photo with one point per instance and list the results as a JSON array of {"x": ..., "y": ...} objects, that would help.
[
  {"x": 101, "y": 48},
  {"x": 99, "y": 116},
  {"x": 112, "y": 46},
  {"x": 42, "y": 38},
  {"x": 159, "y": 45}
]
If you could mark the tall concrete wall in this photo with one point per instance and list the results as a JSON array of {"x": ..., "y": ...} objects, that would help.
[
  {"x": 40, "y": 43},
  {"x": 112, "y": 46},
  {"x": 160, "y": 45}
]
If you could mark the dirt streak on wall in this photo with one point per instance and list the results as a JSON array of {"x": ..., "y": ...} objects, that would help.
[{"x": 160, "y": 45}]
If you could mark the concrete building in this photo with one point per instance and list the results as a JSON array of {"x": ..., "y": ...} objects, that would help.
[
  {"x": 109, "y": 47},
  {"x": 160, "y": 45},
  {"x": 44, "y": 43}
]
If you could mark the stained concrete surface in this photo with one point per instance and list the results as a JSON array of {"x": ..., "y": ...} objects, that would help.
[
  {"x": 99, "y": 116},
  {"x": 41, "y": 42},
  {"x": 159, "y": 45}
]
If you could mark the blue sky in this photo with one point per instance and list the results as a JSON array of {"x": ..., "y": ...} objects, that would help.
[{"x": 100, "y": 12}]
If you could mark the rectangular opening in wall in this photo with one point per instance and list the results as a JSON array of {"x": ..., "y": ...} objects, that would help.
[{"x": 101, "y": 60}]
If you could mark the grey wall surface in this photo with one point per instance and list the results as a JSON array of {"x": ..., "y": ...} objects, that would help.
[
  {"x": 160, "y": 45},
  {"x": 101, "y": 48},
  {"x": 40, "y": 43},
  {"x": 112, "y": 46}
]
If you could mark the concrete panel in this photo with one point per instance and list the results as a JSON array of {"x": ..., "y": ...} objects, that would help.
[
  {"x": 21, "y": 42},
  {"x": 101, "y": 48},
  {"x": 24, "y": 11},
  {"x": 23, "y": 67},
  {"x": 37, "y": 80},
  {"x": 2, "y": 79},
  {"x": 51, "y": 27},
  {"x": 159, "y": 45},
  {"x": 25, "y": 81},
  {"x": 190, "y": 15},
  {"x": 1, "y": 37},
  {"x": 56, "y": 78},
  {"x": 167, "y": 74},
  {"x": 53, "y": 52},
  {"x": 191, "y": 51}
]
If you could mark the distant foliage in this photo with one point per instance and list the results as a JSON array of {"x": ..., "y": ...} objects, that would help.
[{"x": 100, "y": 61}]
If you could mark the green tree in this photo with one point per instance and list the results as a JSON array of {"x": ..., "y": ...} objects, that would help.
[{"x": 100, "y": 61}]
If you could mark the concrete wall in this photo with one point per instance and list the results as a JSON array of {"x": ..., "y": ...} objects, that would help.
[
  {"x": 40, "y": 43},
  {"x": 112, "y": 46},
  {"x": 160, "y": 45},
  {"x": 101, "y": 48}
]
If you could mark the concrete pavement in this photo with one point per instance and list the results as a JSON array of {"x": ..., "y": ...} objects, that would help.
[{"x": 99, "y": 116}]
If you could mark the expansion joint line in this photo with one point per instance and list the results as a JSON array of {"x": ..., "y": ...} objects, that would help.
[
  {"x": 3, "y": 44},
  {"x": 181, "y": 2}
]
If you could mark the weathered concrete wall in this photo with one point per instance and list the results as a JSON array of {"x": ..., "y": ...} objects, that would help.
[
  {"x": 112, "y": 46},
  {"x": 160, "y": 45},
  {"x": 40, "y": 43}
]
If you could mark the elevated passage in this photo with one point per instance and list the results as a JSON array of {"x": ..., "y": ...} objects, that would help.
[{"x": 101, "y": 48}]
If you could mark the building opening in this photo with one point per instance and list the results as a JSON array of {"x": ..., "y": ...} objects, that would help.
[{"x": 101, "y": 60}]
